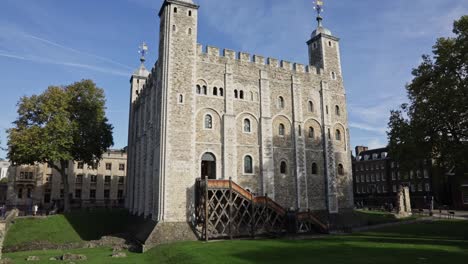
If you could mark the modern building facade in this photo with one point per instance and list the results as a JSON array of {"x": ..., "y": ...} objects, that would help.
[
  {"x": 274, "y": 127},
  {"x": 377, "y": 179},
  {"x": 102, "y": 185}
]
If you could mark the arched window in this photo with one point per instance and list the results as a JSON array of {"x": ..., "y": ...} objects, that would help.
[
  {"x": 281, "y": 130},
  {"x": 251, "y": 96},
  {"x": 235, "y": 94},
  {"x": 205, "y": 90},
  {"x": 181, "y": 99},
  {"x": 311, "y": 107},
  {"x": 333, "y": 74},
  {"x": 247, "y": 127},
  {"x": 280, "y": 102},
  {"x": 208, "y": 122},
  {"x": 241, "y": 94},
  {"x": 175, "y": 9},
  {"x": 311, "y": 132},
  {"x": 248, "y": 164},
  {"x": 340, "y": 169},
  {"x": 300, "y": 131},
  {"x": 190, "y": 13},
  {"x": 173, "y": 27},
  {"x": 198, "y": 89},
  {"x": 338, "y": 135},
  {"x": 337, "y": 110},
  {"x": 215, "y": 91},
  {"x": 283, "y": 167},
  {"x": 190, "y": 31},
  {"x": 221, "y": 92},
  {"x": 314, "y": 169}
]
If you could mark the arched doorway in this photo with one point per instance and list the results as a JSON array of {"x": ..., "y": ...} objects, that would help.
[{"x": 208, "y": 166}]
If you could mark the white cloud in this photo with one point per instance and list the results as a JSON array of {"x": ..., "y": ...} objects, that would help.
[
  {"x": 376, "y": 143},
  {"x": 367, "y": 127},
  {"x": 20, "y": 45}
]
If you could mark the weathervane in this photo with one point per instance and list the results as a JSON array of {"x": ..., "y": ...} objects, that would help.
[
  {"x": 318, "y": 6},
  {"x": 143, "y": 51}
]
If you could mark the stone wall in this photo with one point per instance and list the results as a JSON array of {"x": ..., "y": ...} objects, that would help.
[{"x": 185, "y": 87}]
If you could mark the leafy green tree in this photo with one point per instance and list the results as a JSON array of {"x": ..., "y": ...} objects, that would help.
[
  {"x": 59, "y": 125},
  {"x": 434, "y": 125}
]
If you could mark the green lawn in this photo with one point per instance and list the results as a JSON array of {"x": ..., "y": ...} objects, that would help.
[
  {"x": 74, "y": 227},
  {"x": 378, "y": 217},
  {"x": 425, "y": 242}
]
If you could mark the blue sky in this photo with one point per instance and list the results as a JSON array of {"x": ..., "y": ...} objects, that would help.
[{"x": 53, "y": 42}]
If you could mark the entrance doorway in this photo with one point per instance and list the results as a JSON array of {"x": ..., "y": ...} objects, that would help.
[{"x": 208, "y": 166}]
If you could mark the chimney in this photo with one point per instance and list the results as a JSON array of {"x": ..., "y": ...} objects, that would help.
[{"x": 360, "y": 149}]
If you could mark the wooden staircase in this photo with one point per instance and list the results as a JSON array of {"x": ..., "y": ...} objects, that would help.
[{"x": 223, "y": 209}]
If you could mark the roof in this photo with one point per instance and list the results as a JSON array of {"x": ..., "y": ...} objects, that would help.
[
  {"x": 382, "y": 153},
  {"x": 142, "y": 71}
]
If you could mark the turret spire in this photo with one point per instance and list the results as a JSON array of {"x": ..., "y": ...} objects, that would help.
[
  {"x": 143, "y": 51},
  {"x": 318, "y": 6}
]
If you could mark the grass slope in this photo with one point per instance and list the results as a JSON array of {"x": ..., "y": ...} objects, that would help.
[
  {"x": 73, "y": 227},
  {"x": 431, "y": 242}
]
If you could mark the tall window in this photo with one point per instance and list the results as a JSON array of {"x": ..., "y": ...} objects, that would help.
[
  {"x": 340, "y": 169},
  {"x": 281, "y": 130},
  {"x": 215, "y": 91},
  {"x": 221, "y": 92},
  {"x": 314, "y": 168},
  {"x": 338, "y": 135},
  {"x": 311, "y": 132},
  {"x": 205, "y": 90},
  {"x": 280, "y": 102},
  {"x": 311, "y": 107},
  {"x": 208, "y": 122},
  {"x": 181, "y": 99},
  {"x": 283, "y": 167},
  {"x": 241, "y": 94},
  {"x": 247, "y": 127},
  {"x": 251, "y": 96},
  {"x": 248, "y": 164},
  {"x": 235, "y": 94},
  {"x": 337, "y": 110},
  {"x": 198, "y": 89}
]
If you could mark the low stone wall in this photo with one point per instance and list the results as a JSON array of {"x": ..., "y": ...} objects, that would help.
[{"x": 4, "y": 225}]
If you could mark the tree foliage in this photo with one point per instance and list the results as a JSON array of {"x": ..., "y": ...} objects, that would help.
[
  {"x": 434, "y": 125},
  {"x": 62, "y": 124}
]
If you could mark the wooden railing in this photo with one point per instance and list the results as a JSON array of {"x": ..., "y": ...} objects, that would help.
[{"x": 225, "y": 210}]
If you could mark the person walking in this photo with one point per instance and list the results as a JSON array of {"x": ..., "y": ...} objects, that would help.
[{"x": 35, "y": 208}]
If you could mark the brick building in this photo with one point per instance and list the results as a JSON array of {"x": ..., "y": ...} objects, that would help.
[
  {"x": 377, "y": 178},
  {"x": 103, "y": 185}
]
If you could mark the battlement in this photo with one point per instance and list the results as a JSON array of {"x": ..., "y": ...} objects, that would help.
[{"x": 214, "y": 52}]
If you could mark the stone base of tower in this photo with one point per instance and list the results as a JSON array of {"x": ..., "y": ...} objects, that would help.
[
  {"x": 150, "y": 233},
  {"x": 165, "y": 233}
]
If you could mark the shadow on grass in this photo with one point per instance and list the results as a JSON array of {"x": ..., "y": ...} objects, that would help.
[{"x": 96, "y": 223}]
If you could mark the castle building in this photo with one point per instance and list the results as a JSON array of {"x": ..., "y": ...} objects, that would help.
[
  {"x": 273, "y": 127},
  {"x": 90, "y": 186}
]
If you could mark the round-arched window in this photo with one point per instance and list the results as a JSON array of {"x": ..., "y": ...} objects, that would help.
[
  {"x": 283, "y": 167},
  {"x": 340, "y": 169},
  {"x": 248, "y": 164},
  {"x": 208, "y": 122},
  {"x": 281, "y": 130},
  {"x": 247, "y": 127}
]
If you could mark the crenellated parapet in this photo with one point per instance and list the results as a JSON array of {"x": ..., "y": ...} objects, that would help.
[{"x": 227, "y": 55}]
